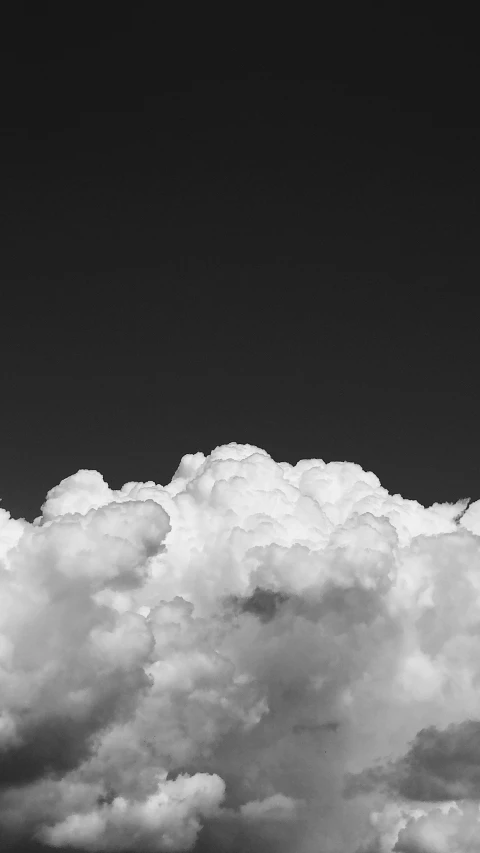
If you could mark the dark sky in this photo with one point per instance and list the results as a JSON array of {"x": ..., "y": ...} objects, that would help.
[{"x": 192, "y": 259}]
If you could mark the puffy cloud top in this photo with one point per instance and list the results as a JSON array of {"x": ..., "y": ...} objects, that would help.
[{"x": 255, "y": 656}]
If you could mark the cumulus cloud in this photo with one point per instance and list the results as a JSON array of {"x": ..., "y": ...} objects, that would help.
[
  {"x": 256, "y": 656},
  {"x": 439, "y": 766},
  {"x": 167, "y": 820},
  {"x": 442, "y": 830}
]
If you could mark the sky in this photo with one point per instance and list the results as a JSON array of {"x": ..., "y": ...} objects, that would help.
[
  {"x": 188, "y": 261},
  {"x": 284, "y": 266}
]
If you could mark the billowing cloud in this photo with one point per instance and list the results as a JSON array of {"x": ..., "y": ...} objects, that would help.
[
  {"x": 439, "y": 766},
  {"x": 256, "y": 656},
  {"x": 166, "y": 820}
]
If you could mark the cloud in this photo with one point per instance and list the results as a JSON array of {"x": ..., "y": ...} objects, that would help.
[
  {"x": 256, "y": 656},
  {"x": 439, "y": 766},
  {"x": 451, "y": 829},
  {"x": 276, "y": 807},
  {"x": 167, "y": 820}
]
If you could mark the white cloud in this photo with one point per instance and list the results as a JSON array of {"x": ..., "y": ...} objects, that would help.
[
  {"x": 167, "y": 820},
  {"x": 214, "y": 658},
  {"x": 276, "y": 807}
]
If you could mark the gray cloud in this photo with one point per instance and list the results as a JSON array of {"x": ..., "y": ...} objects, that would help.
[
  {"x": 264, "y": 603},
  {"x": 439, "y": 766}
]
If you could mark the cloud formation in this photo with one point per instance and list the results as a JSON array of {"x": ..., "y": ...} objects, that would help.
[
  {"x": 256, "y": 656},
  {"x": 439, "y": 766}
]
